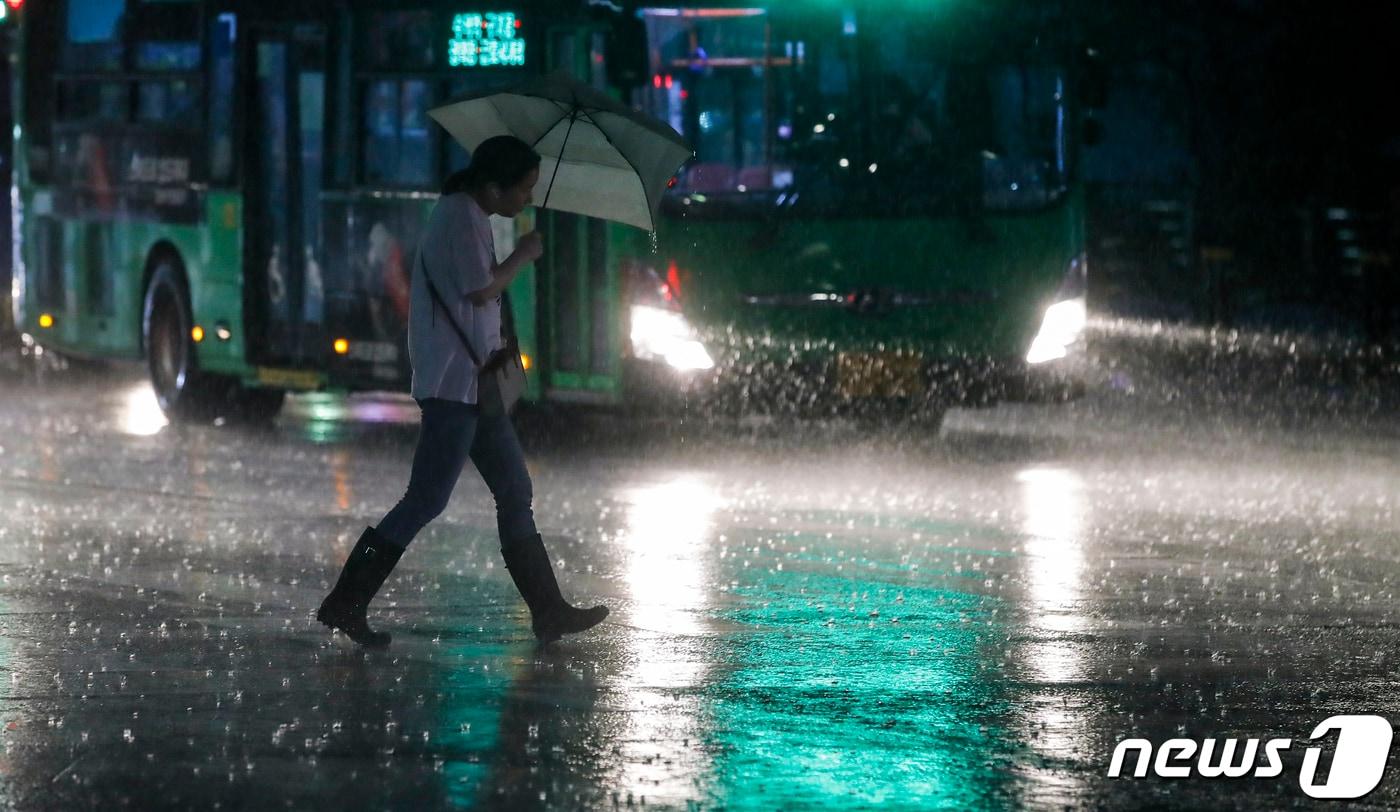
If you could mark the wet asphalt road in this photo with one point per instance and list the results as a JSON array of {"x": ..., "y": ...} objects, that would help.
[{"x": 805, "y": 616}]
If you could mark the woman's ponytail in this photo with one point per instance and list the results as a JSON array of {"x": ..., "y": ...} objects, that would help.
[
  {"x": 460, "y": 181},
  {"x": 502, "y": 159}
]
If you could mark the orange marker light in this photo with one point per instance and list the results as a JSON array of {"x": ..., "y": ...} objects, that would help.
[
  {"x": 526, "y": 361},
  {"x": 197, "y": 334},
  {"x": 45, "y": 321},
  {"x": 342, "y": 347}
]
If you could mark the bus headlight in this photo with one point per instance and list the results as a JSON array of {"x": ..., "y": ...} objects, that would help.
[
  {"x": 664, "y": 335},
  {"x": 1062, "y": 328}
]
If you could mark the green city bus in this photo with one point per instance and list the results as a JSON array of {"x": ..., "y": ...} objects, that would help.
[
  {"x": 883, "y": 206},
  {"x": 232, "y": 191}
]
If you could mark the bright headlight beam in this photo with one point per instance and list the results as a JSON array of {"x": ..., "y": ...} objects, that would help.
[
  {"x": 664, "y": 335},
  {"x": 1062, "y": 327}
]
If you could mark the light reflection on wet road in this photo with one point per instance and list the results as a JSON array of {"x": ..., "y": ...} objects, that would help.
[{"x": 818, "y": 616}]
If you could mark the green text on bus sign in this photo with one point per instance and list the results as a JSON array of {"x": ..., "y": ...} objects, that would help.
[{"x": 482, "y": 39}]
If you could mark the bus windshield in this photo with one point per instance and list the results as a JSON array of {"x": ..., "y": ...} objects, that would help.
[{"x": 828, "y": 116}]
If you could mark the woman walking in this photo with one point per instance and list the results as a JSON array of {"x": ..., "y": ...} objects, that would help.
[{"x": 458, "y": 253}]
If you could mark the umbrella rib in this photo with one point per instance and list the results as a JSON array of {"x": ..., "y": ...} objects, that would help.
[
  {"x": 572, "y": 118},
  {"x": 664, "y": 132},
  {"x": 626, "y": 158},
  {"x": 550, "y": 129}
]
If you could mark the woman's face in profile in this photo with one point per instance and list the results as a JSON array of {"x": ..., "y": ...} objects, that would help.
[{"x": 514, "y": 199}]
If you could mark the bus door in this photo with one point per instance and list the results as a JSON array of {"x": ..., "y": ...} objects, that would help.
[
  {"x": 579, "y": 303},
  {"x": 284, "y": 293}
]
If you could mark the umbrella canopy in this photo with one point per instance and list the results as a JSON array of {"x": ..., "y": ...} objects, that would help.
[{"x": 598, "y": 157}]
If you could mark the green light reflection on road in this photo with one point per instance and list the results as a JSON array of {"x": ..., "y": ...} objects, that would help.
[
  {"x": 469, "y": 736},
  {"x": 828, "y": 706}
]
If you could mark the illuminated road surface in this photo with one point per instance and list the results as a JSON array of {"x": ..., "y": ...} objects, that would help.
[{"x": 819, "y": 616}]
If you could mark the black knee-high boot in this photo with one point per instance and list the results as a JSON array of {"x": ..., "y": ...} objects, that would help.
[
  {"x": 551, "y": 617},
  {"x": 365, "y": 570}
]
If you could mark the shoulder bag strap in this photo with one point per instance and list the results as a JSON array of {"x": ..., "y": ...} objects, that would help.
[
  {"x": 508, "y": 324},
  {"x": 437, "y": 299}
]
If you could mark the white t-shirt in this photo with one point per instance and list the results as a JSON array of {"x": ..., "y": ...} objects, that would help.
[{"x": 458, "y": 250}]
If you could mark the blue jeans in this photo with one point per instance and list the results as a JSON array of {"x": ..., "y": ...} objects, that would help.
[{"x": 450, "y": 433}]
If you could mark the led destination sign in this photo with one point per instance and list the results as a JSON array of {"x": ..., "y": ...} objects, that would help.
[{"x": 484, "y": 39}]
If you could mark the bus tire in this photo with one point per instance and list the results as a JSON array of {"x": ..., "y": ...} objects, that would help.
[{"x": 182, "y": 391}]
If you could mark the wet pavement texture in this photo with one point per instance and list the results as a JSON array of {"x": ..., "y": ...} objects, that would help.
[{"x": 819, "y": 615}]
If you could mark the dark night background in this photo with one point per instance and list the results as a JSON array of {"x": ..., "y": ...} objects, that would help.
[{"x": 1248, "y": 172}]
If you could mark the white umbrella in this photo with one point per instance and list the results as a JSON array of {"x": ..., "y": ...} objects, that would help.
[{"x": 598, "y": 157}]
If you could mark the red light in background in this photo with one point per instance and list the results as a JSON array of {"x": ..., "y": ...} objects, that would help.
[
  {"x": 673, "y": 280},
  {"x": 685, "y": 94},
  {"x": 517, "y": 22},
  {"x": 668, "y": 81},
  {"x": 14, "y": 4},
  {"x": 671, "y": 184},
  {"x": 656, "y": 81}
]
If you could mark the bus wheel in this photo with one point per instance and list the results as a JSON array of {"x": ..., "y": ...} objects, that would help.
[{"x": 165, "y": 327}]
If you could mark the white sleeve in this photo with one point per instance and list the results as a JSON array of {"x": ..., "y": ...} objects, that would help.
[{"x": 467, "y": 253}]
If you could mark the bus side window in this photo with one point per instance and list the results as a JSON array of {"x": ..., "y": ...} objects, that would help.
[
  {"x": 170, "y": 102},
  {"x": 167, "y": 55},
  {"x": 398, "y": 143},
  {"x": 340, "y": 149},
  {"x": 85, "y": 100},
  {"x": 221, "y": 50},
  {"x": 44, "y": 25},
  {"x": 94, "y": 35},
  {"x": 166, "y": 40},
  {"x": 400, "y": 41}
]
